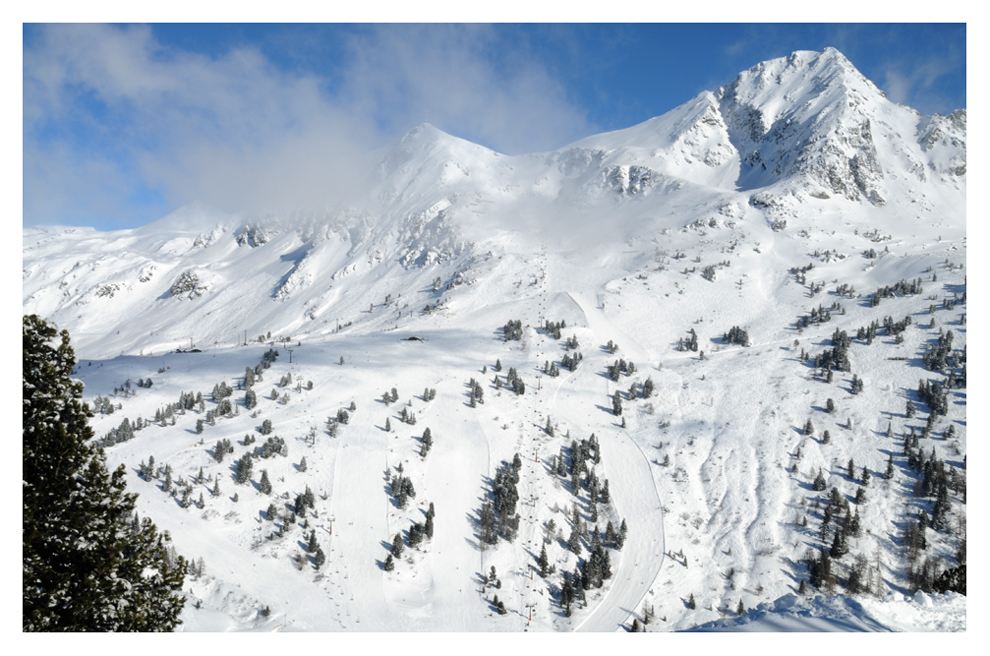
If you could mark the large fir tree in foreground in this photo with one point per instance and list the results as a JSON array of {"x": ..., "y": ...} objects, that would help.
[{"x": 88, "y": 565}]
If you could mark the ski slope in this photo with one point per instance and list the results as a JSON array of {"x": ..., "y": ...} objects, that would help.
[{"x": 639, "y": 238}]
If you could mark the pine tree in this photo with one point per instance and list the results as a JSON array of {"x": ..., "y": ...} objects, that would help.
[
  {"x": 87, "y": 566},
  {"x": 839, "y": 546},
  {"x": 544, "y": 562},
  {"x": 302, "y": 464},
  {"x": 397, "y": 545},
  {"x": 244, "y": 465},
  {"x": 389, "y": 563},
  {"x": 264, "y": 485},
  {"x": 574, "y": 542},
  {"x": 819, "y": 483},
  {"x": 691, "y": 602}
]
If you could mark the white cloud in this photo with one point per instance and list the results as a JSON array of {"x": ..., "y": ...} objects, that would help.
[
  {"x": 125, "y": 113},
  {"x": 444, "y": 75}
]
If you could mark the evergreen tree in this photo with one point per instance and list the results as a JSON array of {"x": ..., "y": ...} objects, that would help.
[
  {"x": 264, "y": 485},
  {"x": 691, "y": 603},
  {"x": 243, "y": 473},
  {"x": 302, "y": 464},
  {"x": 319, "y": 558},
  {"x": 87, "y": 565},
  {"x": 940, "y": 513},
  {"x": 839, "y": 546},
  {"x": 574, "y": 542},
  {"x": 819, "y": 483},
  {"x": 427, "y": 443},
  {"x": 397, "y": 545},
  {"x": 741, "y": 608},
  {"x": 544, "y": 562},
  {"x": 389, "y": 563}
]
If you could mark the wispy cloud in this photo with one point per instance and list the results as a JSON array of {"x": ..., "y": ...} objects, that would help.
[
  {"x": 111, "y": 113},
  {"x": 460, "y": 79}
]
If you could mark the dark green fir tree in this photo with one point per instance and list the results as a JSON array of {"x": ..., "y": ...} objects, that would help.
[{"x": 88, "y": 566}]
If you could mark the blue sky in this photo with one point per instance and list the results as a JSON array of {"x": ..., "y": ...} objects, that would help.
[{"x": 125, "y": 123}]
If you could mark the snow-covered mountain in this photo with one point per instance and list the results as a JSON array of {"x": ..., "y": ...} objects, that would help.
[
  {"x": 794, "y": 136},
  {"x": 776, "y": 204}
]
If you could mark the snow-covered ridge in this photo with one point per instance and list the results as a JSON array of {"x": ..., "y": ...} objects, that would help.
[
  {"x": 783, "y": 134},
  {"x": 645, "y": 243}
]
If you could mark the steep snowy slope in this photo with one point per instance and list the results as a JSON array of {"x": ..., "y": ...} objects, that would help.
[{"x": 794, "y": 204}]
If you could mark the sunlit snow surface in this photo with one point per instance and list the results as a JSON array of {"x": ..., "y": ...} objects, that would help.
[
  {"x": 612, "y": 236},
  {"x": 841, "y": 613}
]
